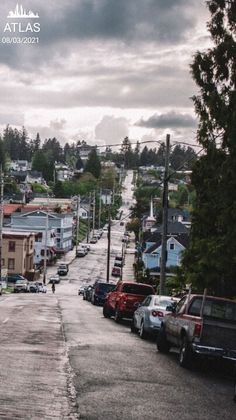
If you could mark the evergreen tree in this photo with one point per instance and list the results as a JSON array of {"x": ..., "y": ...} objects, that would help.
[
  {"x": 210, "y": 260},
  {"x": 93, "y": 164}
]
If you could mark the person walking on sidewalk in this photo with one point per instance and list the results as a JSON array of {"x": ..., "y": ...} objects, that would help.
[{"x": 53, "y": 287}]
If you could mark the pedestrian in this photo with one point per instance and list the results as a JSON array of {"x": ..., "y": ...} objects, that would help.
[{"x": 53, "y": 287}]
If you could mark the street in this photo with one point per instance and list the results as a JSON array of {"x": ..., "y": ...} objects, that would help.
[{"x": 61, "y": 359}]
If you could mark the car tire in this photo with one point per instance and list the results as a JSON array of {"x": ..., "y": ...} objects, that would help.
[
  {"x": 185, "y": 354},
  {"x": 163, "y": 346},
  {"x": 142, "y": 332},
  {"x": 106, "y": 312},
  {"x": 133, "y": 329},
  {"x": 117, "y": 316}
]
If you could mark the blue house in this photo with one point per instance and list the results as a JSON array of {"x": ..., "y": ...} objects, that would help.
[{"x": 177, "y": 241}]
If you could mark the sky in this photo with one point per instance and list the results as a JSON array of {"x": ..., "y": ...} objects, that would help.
[{"x": 100, "y": 70}]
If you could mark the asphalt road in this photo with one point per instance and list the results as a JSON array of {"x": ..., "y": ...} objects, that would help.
[{"x": 61, "y": 359}]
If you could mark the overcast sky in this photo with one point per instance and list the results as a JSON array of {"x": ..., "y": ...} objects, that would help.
[{"x": 103, "y": 69}]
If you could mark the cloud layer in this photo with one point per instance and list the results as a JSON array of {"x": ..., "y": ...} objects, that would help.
[{"x": 102, "y": 65}]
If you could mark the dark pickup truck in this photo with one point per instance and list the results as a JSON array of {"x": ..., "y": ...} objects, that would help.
[
  {"x": 203, "y": 326},
  {"x": 124, "y": 300}
]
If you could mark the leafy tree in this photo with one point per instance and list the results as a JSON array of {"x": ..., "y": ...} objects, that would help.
[
  {"x": 93, "y": 164},
  {"x": 79, "y": 164},
  {"x": 210, "y": 260}
]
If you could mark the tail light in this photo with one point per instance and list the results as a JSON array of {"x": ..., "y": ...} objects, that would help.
[
  {"x": 157, "y": 313},
  {"x": 197, "y": 330}
]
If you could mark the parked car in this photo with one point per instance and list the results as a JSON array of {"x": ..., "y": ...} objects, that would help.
[
  {"x": 119, "y": 258},
  {"x": 54, "y": 279},
  {"x": 85, "y": 246},
  {"x": 200, "y": 326},
  {"x": 81, "y": 252},
  {"x": 33, "y": 288},
  {"x": 116, "y": 271},
  {"x": 12, "y": 278},
  {"x": 42, "y": 288},
  {"x": 87, "y": 293},
  {"x": 93, "y": 240},
  {"x": 124, "y": 300},
  {"x": 81, "y": 290},
  {"x": 99, "y": 292},
  {"x": 21, "y": 286},
  {"x": 148, "y": 317},
  {"x": 63, "y": 269}
]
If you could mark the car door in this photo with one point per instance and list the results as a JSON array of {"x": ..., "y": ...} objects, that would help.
[{"x": 140, "y": 312}]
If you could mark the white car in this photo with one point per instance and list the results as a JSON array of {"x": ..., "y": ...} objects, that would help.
[
  {"x": 41, "y": 287},
  {"x": 149, "y": 315},
  {"x": 81, "y": 252}
]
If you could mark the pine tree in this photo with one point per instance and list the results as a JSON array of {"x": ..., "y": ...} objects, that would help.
[
  {"x": 93, "y": 164},
  {"x": 210, "y": 260}
]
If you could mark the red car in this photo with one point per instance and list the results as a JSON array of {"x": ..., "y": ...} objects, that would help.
[{"x": 124, "y": 300}]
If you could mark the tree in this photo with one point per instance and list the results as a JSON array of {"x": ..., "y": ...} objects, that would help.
[
  {"x": 93, "y": 164},
  {"x": 210, "y": 259}
]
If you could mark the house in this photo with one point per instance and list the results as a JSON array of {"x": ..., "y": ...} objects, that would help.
[
  {"x": 175, "y": 246},
  {"x": 35, "y": 177},
  {"x": 18, "y": 251},
  {"x": 63, "y": 172},
  {"x": 106, "y": 197},
  {"x": 177, "y": 241},
  {"x": 84, "y": 150},
  {"x": 59, "y": 229},
  {"x": 20, "y": 165}
]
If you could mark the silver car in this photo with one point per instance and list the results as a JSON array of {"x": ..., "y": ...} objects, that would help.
[{"x": 148, "y": 316}]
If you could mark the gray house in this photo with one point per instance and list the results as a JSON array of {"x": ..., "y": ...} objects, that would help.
[{"x": 61, "y": 224}]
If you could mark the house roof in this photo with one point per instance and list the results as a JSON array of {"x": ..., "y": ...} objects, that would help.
[
  {"x": 173, "y": 228},
  {"x": 182, "y": 239},
  {"x": 8, "y": 209}
]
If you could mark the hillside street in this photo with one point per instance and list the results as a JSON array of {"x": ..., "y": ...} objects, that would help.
[{"x": 61, "y": 359}]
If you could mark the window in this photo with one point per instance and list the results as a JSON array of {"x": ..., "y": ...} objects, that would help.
[
  {"x": 31, "y": 244},
  {"x": 11, "y": 263},
  {"x": 3, "y": 262},
  {"x": 172, "y": 246},
  {"x": 11, "y": 246}
]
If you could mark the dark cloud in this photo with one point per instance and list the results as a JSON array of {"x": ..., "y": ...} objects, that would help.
[
  {"x": 168, "y": 120},
  {"x": 127, "y": 21}
]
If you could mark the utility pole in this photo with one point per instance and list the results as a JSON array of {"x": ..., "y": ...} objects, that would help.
[
  {"x": 94, "y": 209},
  {"x": 109, "y": 242},
  {"x": 88, "y": 225},
  {"x": 1, "y": 217},
  {"x": 77, "y": 224},
  {"x": 164, "y": 220},
  {"x": 45, "y": 249},
  {"x": 100, "y": 209}
]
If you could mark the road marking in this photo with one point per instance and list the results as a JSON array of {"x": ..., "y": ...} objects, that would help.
[{"x": 5, "y": 320}]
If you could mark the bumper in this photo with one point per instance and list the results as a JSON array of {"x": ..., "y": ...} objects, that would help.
[{"x": 214, "y": 352}]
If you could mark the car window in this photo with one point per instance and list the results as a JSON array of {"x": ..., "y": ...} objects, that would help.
[
  {"x": 136, "y": 289},
  {"x": 213, "y": 308}
]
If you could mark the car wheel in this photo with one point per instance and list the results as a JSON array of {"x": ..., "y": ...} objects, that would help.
[
  {"x": 185, "y": 355},
  {"x": 133, "y": 329},
  {"x": 106, "y": 312},
  {"x": 163, "y": 346},
  {"x": 117, "y": 316},
  {"x": 142, "y": 332}
]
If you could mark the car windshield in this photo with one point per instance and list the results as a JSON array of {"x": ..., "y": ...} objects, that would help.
[
  {"x": 137, "y": 289},
  {"x": 106, "y": 287},
  {"x": 223, "y": 310}
]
